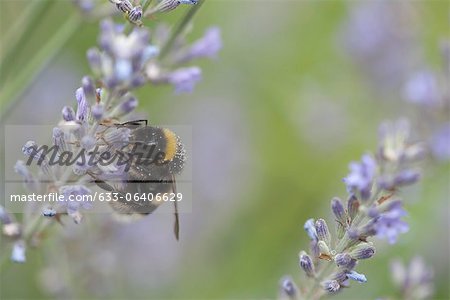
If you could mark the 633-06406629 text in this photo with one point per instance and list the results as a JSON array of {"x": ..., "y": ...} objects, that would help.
[{"x": 99, "y": 196}]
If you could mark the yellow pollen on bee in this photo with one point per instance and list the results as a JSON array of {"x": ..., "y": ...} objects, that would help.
[{"x": 171, "y": 146}]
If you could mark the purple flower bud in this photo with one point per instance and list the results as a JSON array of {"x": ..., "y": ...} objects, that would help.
[
  {"x": 107, "y": 34},
  {"x": 74, "y": 197},
  {"x": 138, "y": 81},
  {"x": 59, "y": 139},
  {"x": 185, "y": 79},
  {"x": 148, "y": 53},
  {"x": 314, "y": 248},
  {"x": 30, "y": 148},
  {"x": 5, "y": 217},
  {"x": 356, "y": 276},
  {"x": 288, "y": 287},
  {"x": 95, "y": 60},
  {"x": 123, "y": 70},
  {"x": 340, "y": 276},
  {"x": 49, "y": 212},
  {"x": 97, "y": 111},
  {"x": 406, "y": 177},
  {"x": 352, "y": 206},
  {"x": 362, "y": 251},
  {"x": 124, "y": 6},
  {"x": 364, "y": 231},
  {"x": 322, "y": 231},
  {"x": 135, "y": 14},
  {"x": 208, "y": 46},
  {"x": 127, "y": 105},
  {"x": 30, "y": 182},
  {"x": 88, "y": 142},
  {"x": 83, "y": 106},
  {"x": 342, "y": 259},
  {"x": 18, "y": 252},
  {"x": 331, "y": 286},
  {"x": 68, "y": 114},
  {"x": 88, "y": 87},
  {"x": 310, "y": 229},
  {"x": 306, "y": 264},
  {"x": 338, "y": 210}
]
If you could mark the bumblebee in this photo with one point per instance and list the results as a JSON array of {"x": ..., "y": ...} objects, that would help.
[{"x": 149, "y": 175}]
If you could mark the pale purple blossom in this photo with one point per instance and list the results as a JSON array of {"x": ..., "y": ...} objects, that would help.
[
  {"x": 361, "y": 176},
  {"x": 208, "y": 46},
  {"x": 422, "y": 89},
  {"x": 185, "y": 79},
  {"x": 440, "y": 142},
  {"x": 83, "y": 105},
  {"x": 389, "y": 224},
  {"x": 414, "y": 280},
  {"x": 74, "y": 197},
  {"x": 353, "y": 275}
]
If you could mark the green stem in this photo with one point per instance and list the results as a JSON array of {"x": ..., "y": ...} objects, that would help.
[
  {"x": 14, "y": 88},
  {"x": 179, "y": 29},
  {"x": 22, "y": 29}
]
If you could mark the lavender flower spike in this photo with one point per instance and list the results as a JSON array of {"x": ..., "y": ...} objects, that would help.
[{"x": 373, "y": 209}]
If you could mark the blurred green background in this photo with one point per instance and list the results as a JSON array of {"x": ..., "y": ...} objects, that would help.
[{"x": 276, "y": 120}]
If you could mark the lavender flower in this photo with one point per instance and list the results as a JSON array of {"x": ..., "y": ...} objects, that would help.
[
  {"x": 173, "y": 71},
  {"x": 96, "y": 127},
  {"x": 414, "y": 281},
  {"x": 372, "y": 211}
]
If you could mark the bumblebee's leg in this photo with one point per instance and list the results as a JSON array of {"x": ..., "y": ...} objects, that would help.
[
  {"x": 135, "y": 123},
  {"x": 103, "y": 185},
  {"x": 176, "y": 226}
]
